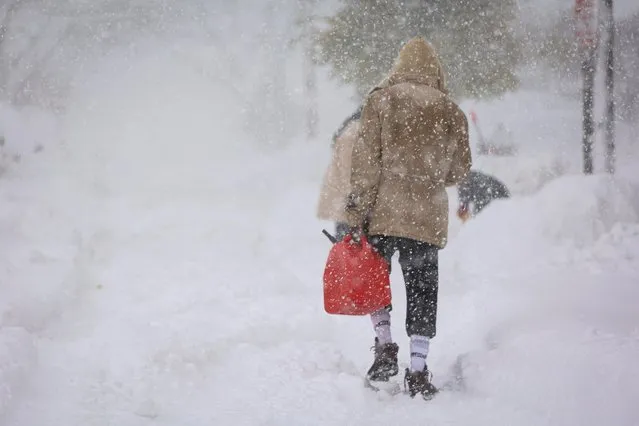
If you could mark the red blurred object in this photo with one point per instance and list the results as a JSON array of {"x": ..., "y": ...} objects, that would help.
[
  {"x": 586, "y": 23},
  {"x": 356, "y": 279},
  {"x": 473, "y": 116}
]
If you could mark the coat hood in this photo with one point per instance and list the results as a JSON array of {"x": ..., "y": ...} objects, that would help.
[{"x": 417, "y": 61}]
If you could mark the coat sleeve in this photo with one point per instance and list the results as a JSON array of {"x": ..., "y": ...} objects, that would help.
[
  {"x": 366, "y": 164},
  {"x": 462, "y": 160},
  {"x": 353, "y": 117}
]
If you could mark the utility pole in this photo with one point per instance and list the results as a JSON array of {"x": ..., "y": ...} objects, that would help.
[
  {"x": 587, "y": 35},
  {"x": 610, "y": 86}
]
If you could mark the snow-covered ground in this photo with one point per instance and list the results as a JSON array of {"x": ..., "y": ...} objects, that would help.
[{"x": 157, "y": 268}]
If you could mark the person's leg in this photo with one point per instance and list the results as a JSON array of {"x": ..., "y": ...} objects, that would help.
[
  {"x": 385, "y": 246},
  {"x": 419, "y": 263},
  {"x": 381, "y": 324},
  {"x": 385, "y": 363},
  {"x": 341, "y": 229}
]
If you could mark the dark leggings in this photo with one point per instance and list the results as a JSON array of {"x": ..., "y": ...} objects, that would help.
[
  {"x": 341, "y": 229},
  {"x": 419, "y": 263}
]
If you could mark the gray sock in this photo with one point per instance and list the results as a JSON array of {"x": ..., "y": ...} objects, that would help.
[
  {"x": 381, "y": 323},
  {"x": 419, "y": 346}
]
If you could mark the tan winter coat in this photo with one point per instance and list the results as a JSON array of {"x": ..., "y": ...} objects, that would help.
[
  {"x": 337, "y": 180},
  {"x": 413, "y": 142}
]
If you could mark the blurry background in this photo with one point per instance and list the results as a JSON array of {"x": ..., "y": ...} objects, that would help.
[
  {"x": 268, "y": 52},
  {"x": 160, "y": 259}
]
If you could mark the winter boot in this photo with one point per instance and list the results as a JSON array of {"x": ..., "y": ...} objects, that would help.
[
  {"x": 418, "y": 382},
  {"x": 385, "y": 363}
]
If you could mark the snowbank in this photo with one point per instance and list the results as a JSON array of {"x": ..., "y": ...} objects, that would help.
[
  {"x": 538, "y": 296},
  {"x": 42, "y": 248},
  {"x": 568, "y": 216},
  {"x": 23, "y": 133},
  {"x": 17, "y": 358}
]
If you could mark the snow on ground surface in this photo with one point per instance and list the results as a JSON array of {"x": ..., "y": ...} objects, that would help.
[{"x": 158, "y": 269}]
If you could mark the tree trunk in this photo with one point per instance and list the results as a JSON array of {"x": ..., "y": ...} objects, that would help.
[
  {"x": 610, "y": 86},
  {"x": 588, "y": 39},
  {"x": 588, "y": 69}
]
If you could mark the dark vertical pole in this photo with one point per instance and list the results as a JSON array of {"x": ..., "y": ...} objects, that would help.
[
  {"x": 588, "y": 69},
  {"x": 587, "y": 36},
  {"x": 610, "y": 87}
]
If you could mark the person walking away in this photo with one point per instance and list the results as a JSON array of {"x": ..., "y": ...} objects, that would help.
[
  {"x": 412, "y": 144},
  {"x": 476, "y": 191},
  {"x": 336, "y": 183}
]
